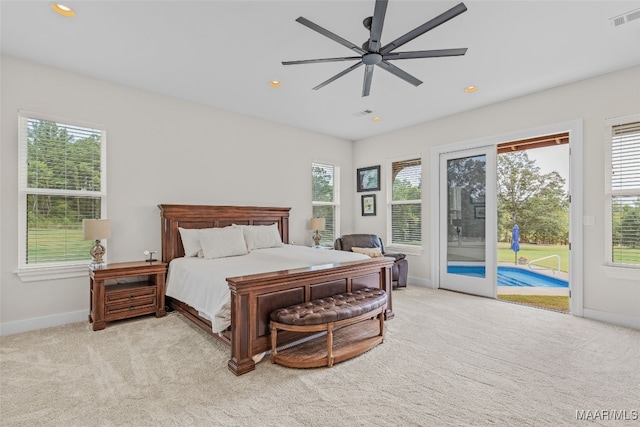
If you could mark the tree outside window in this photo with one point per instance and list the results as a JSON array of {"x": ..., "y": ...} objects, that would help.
[
  {"x": 623, "y": 191},
  {"x": 325, "y": 199},
  {"x": 61, "y": 183},
  {"x": 406, "y": 202}
]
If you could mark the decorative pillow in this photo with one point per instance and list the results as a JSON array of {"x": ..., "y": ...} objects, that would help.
[
  {"x": 372, "y": 252},
  {"x": 190, "y": 241},
  {"x": 222, "y": 242},
  {"x": 262, "y": 236}
]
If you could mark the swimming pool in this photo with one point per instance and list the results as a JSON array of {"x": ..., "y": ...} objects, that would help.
[{"x": 511, "y": 276}]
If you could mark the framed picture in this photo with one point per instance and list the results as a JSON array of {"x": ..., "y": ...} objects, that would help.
[
  {"x": 369, "y": 205},
  {"x": 369, "y": 178},
  {"x": 478, "y": 212},
  {"x": 476, "y": 200}
]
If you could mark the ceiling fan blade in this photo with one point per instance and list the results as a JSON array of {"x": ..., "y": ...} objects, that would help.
[
  {"x": 424, "y": 54},
  {"x": 399, "y": 73},
  {"x": 368, "y": 75},
  {"x": 337, "y": 76},
  {"x": 332, "y": 36},
  {"x": 315, "y": 61},
  {"x": 376, "y": 25},
  {"x": 438, "y": 20}
]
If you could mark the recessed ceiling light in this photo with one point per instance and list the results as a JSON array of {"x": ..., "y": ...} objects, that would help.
[
  {"x": 470, "y": 89},
  {"x": 376, "y": 118},
  {"x": 275, "y": 83},
  {"x": 63, "y": 10}
]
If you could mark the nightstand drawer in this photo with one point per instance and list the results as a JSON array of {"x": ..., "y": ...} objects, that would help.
[
  {"x": 146, "y": 304},
  {"x": 128, "y": 292}
]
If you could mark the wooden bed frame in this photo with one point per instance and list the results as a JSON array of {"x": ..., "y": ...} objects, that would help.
[{"x": 254, "y": 297}]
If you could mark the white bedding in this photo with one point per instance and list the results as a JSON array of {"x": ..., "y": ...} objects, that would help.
[{"x": 201, "y": 282}]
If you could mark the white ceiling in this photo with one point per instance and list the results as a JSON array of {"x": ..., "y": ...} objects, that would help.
[{"x": 224, "y": 53}]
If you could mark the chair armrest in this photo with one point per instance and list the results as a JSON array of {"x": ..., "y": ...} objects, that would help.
[{"x": 398, "y": 256}]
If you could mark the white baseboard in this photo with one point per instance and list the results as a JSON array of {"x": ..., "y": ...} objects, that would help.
[
  {"x": 419, "y": 282},
  {"x": 616, "y": 319},
  {"x": 16, "y": 327}
]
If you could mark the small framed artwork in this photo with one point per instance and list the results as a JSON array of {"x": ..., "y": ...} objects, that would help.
[
  {"x": 369, "y": 178},
  {"x": 477, "y": 200},
  {"x": 478, "y": 212},
  {"x": 369, "y": 205}
]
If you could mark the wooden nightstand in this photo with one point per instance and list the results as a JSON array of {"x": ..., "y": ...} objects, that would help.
[{"x": 122, "y": 298}]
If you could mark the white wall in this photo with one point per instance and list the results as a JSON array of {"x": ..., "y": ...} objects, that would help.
[
  {"x": 160, "y": 150},
  {"x": 594, "y": 100},
  {"x": 163, "y": 150}
]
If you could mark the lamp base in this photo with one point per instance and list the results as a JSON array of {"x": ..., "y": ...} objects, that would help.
[
  {"x": 316, "y": 238},
  {"x": 97, "y": 252}
]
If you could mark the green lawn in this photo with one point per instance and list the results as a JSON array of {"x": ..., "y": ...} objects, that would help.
[
  {"x": 532, "y": 252},
  {"x": 626, "y": 255},
  {"x": 44, "y": 244},
  {"x": 552, "y": 302}
]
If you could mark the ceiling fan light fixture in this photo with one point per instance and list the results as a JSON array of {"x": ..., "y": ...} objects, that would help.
[
  {"x": 471, "y": 89},
  {"x": 63, "y": 10},
  {"x": 275, "y": 83},
  {"x": 376, "y": 118}
]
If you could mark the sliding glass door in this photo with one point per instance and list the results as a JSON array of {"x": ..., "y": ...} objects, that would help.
[{"x": 467, "y": 224}]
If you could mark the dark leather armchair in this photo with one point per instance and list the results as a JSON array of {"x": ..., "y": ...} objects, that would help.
[{"x": 400, "y": 268}]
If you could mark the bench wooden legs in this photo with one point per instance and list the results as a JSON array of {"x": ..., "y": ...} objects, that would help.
[
  {"x": 330, "y": 345},
  {"x": 351, "y": 337},
  {"x": 274, "y": 343}
]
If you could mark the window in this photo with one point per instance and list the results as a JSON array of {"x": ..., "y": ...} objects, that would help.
[
  {"x": 623, "y": 191},
  {"x": 326, "y": 199},
  {"x": 62, "y": 180},
  {"x": 405, "y": 206}
]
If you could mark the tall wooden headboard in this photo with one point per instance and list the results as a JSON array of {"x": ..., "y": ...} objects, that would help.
[{"x": 203, "y": 216}]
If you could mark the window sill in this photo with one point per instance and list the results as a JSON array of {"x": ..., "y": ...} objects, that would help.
[
  {"x": 620, "y": 272},
  {"x": 36, "y": 274},
  {"x": 405, "y": 249}
]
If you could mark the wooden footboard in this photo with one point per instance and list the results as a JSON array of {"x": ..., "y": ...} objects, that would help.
[{"x": 254, "y": 297}]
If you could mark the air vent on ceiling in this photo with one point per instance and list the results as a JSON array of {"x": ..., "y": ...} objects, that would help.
[
  {"x": 363, "y": 113},
  {"x": 624, "y": 18}
]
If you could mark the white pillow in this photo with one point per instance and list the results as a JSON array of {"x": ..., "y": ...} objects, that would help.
[
  {"x": 222, "y": 242},
  {"x": 371, "y": 252},
  {"x": 262, "y": 236},
  {"x": 190, "y": 241}
]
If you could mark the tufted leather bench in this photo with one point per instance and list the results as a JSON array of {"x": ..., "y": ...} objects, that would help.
[{"x": 329, "y": 314}]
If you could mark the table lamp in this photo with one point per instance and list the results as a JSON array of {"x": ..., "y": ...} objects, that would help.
[
  {"x": 96, "y": 229},
  {"x": 316, "y": 224}
]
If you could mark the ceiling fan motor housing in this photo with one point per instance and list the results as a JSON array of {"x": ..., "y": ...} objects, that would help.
[{"x": 371, "y": 58}]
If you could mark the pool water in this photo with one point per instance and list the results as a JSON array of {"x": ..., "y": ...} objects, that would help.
[{"x": 511, "y": 276}]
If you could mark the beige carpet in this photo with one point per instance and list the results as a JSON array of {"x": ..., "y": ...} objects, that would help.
[{"x": 448, "y": 359}]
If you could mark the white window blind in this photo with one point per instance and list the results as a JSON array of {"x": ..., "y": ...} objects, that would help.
[
  {"x": 62, "y": 180},
  {"x": 624, "y": 193},
  {"x": 406, "y": 202},
  {"x": 625, "y": 157},
  {"x": 326, "y": 200}
]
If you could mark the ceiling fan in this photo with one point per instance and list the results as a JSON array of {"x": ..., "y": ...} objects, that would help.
[{"x": 372, "y": 53}]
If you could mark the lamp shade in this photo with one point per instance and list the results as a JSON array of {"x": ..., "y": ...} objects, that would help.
[
  {"x": 96, "y": 229},
  {"x": 316, "y": 224}
]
